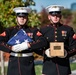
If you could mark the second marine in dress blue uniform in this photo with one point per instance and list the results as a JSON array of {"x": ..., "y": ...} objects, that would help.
[{"x": 57, "y": 32}]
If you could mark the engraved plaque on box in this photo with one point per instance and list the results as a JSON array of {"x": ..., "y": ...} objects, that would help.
[{"x": 56, "y": 49}]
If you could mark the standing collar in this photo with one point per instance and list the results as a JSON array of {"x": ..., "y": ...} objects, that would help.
[{"x": 56, "y": 25}]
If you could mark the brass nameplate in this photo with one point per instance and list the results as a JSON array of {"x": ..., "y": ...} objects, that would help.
[{"x": 56, "y": 49}]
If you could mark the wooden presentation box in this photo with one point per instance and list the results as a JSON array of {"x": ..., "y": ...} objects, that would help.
[{"x": 56, "y": 49}]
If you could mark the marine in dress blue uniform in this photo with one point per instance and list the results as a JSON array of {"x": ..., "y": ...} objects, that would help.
[
  {"x": 57, "y": 32},
  {"x": 21, "y": 60}
]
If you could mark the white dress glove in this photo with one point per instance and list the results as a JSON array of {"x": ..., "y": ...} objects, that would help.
[
  {"x": 47, "y": 52},
  {"x": 20, "y": 47}
]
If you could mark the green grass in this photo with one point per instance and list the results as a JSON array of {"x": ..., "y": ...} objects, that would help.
[
  {"x": 38, "y": 69},
  {"x": 5, "y": 71},
  {"x": 73, "y": 66}
]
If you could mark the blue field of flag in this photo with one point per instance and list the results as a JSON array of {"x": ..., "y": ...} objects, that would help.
[{"x": 19, "y": 37}]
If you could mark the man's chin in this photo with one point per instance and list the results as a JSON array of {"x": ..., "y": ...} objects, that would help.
[{"x": 22, "y": 24}]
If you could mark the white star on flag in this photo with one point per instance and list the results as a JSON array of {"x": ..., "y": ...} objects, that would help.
[
  {"x": 26, "y": 40},
  {"x": 17, "y": 41}
]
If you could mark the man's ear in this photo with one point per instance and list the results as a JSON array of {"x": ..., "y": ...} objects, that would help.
[{"x": 49, "y": 17}]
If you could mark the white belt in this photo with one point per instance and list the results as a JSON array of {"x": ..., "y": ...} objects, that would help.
[{"x": 21, "y": 54}]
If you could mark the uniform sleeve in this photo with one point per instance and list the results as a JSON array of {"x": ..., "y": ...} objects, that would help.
[
  {"x": 72, "y": 43},
  {"x": 3, "y": 45},
  {"x": 40, "y": 43}
]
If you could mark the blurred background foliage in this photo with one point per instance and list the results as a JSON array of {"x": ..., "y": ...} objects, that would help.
[
  {"x": 7, "y": 16},
  {"x": 36, "y": 19}
]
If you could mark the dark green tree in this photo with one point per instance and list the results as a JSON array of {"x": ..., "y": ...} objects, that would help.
[
  {"x": 28, "y": 2},
  {"x": 7, "y": 16}
]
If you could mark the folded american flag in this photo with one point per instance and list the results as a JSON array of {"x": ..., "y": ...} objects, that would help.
[{"x": 19, "y": 37}]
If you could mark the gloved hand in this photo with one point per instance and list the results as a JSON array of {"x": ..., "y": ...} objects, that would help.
[
  {"x": 20, "y": 47},
  {"x": 47, "y": 52}
]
